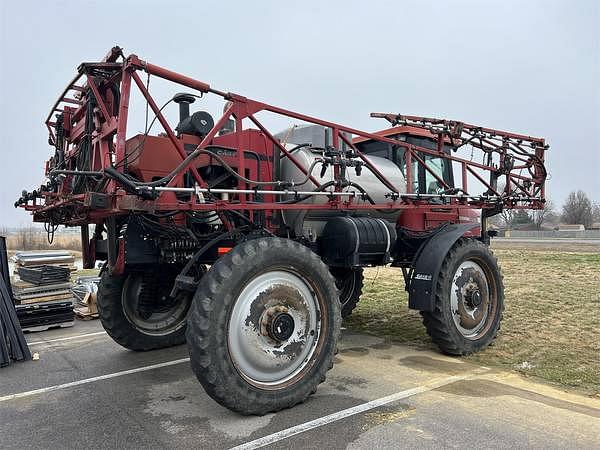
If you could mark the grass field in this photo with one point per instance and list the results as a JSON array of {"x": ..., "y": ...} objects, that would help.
[{"x": 551, "y": 321}]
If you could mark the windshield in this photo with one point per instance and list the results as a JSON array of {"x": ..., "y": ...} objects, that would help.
[{"x": 424, "y": 182}]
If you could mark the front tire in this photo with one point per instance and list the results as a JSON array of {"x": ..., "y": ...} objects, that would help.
[
  {"x": 469, "y": 300},
  {"x": 264, "y": 325}
]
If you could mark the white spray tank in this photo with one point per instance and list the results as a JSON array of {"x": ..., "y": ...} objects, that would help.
[{"x": 310, "y": 223}]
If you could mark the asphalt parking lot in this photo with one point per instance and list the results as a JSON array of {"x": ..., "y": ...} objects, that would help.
[{"x": 88, "y": 392}]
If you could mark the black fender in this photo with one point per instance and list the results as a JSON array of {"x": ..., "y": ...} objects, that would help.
[{"x": 428, "y": 263}]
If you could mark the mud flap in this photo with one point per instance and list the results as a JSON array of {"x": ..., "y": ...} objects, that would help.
[{"x": 428, "y": 264}]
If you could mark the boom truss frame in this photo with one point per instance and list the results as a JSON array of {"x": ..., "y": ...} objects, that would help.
[{"x": 506, "y": 155}]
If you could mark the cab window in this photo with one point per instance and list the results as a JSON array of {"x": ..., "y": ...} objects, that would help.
[{"x": 423, "y": 181}]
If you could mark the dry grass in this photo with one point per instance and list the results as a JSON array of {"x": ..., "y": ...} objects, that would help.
[
  {"x": 551, "y": 321},
  {"x": 32, "y": 239}
]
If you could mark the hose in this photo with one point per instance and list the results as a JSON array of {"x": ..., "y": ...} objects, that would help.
[
  {"x": 261, "y": 183},
  {"x": 113, "y": 173},
  {"x": 82, "y": 173}
]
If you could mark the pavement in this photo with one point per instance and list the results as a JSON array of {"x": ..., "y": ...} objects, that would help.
[
  {"x": 87, "y": 392},
  {"x": 562, "y": 241},
  {"x": 549, "y": 244}
]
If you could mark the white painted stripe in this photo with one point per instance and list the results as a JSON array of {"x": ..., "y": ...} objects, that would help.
[
  {"x": 91, "y": 380},
  {"x": 334, "y": 417},
  {"x": 67, "y": 338}
]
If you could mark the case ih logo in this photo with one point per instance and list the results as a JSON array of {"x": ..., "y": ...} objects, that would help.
[
  {"x": 223, "y": 152},
  {"x": 423, "y": 276}
]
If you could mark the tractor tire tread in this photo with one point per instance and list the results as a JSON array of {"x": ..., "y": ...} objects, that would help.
[
  {"x": 436, "y": 323},
  {"x": 207, "y": 331},
  {"x": 352, "y": 301}
]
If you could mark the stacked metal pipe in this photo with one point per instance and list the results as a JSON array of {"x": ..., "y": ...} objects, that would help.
[{"x": 12, "y": 341}]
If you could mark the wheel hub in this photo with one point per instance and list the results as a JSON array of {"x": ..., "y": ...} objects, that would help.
[
  {"x": 281, "y": 327},
  {"x": 470, "y": 299},
  {"x": 473, "y": 297}
]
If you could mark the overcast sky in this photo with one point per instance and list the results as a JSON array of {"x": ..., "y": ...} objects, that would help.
[{"x": 523, "y": 66}]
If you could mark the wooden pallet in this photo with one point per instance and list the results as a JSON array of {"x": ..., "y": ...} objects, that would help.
[
  {"x": 23, "y": 287},
  {"x": 89, "y": 310},
  {"x": 47, "y": 298},
  {"x": 84, "y": 313}
]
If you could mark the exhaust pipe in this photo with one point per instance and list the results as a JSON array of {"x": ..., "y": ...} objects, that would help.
[{"x": 184, "y": 100}]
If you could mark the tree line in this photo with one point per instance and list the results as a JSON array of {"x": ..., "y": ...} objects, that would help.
[{"x": 578, "y": 209}]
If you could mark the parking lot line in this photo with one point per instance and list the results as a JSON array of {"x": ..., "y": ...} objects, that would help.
[
  {"x": 57, "y": 387},
  {"x": 67, "y": 338},
  {"x": 334, "y": 417}
]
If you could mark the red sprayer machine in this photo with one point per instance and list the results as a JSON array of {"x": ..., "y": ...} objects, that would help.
[{"x": 250, "y": 244}]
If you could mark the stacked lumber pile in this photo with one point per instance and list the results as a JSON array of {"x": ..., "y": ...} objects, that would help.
[
  {"x": 28, "y": 293},
  {"x": 44, "y": 274},
  {"x": 12, "y": 342},
  {"x": 43, "y": 294},
  {"x": 57, "y": 258},
  {"x": 42, "y": 284}
]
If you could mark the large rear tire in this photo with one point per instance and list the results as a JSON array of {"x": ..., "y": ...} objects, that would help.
[
  {"x": 469, "y": 299},
  {"x": 264, "y": 325},
  {"x": 135, "y": 310}
]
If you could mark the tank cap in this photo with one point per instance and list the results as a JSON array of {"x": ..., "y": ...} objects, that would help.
[{"x": 183, "y": 97}]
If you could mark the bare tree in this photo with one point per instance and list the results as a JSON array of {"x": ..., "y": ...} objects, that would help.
[
  {"x": 577, "y": 209},
  {"x": 508, "y": 217},
  {"x": 596, "y": 212},
  {"x": 27, "y": 238},
  {"x": 540, "y": 216}
]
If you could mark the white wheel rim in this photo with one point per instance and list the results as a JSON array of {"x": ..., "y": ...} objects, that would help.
[
  {"x": 160, "y": 323},
  {"x": 471, "y": 317},
  {"x": 258, "y": 357}
]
